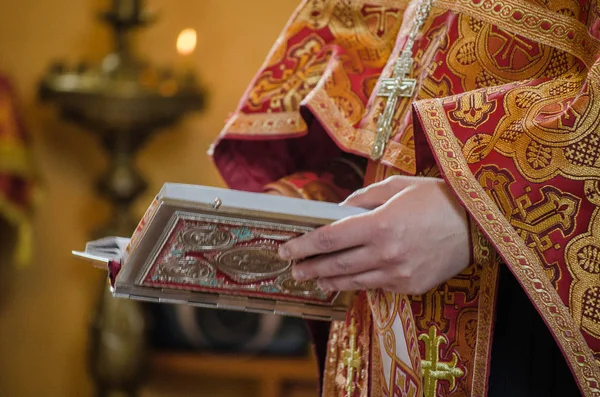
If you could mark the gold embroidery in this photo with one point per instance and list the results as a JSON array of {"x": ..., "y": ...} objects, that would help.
[
  {"x": 350, "y": 365},
  {"x": 517, "y": 255},
  {"x": 484, "y": 55},
  {"x": 380, "y": 19},
  {"x": 554, "y": 135},
  {"x": 410, "y": 333},
  {"x": 533, "y": 22},
  {"x": 338, "y": 115},
  {"x": 433, "y": 302},
  {"x": 338, "y": 87},
  {"x": 356, "y": 140},
  {"x": 384, "y": 306},
  {"x": 435, "y": 87},
  {"x": 434, "y": 369},
  {"x": 583, "y": 257},
  {"x": 472, "y": 323},
  {"x": 379, "y": 117},
  {"x": 291, "y": 71},
  {"x": 533, "y": 221},
  {"x": 365, "y": 45},
  {"x": 351, "y": 359},
  {"x": 405, "y": 384},
  {"x": 379, "y": 385},
  {"x": 591, "y": 189},
  {"x": 484, "y": 254},
  {"x": 277, "y": 124},
  {"x": 332, "y": 358},
  {"x": 472, "y": 110},
  {"x": 391, "y": 311},
  {"x": 286, "y": 89}
]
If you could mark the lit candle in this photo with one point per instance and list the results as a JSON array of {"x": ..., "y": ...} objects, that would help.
[{"x": 186, "y": 44}]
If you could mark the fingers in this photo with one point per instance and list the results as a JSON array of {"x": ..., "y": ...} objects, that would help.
[
  {"x": 347, "y": 233},
  {"x": 378, "y": 193},
  {"x": 357, "y": 282},
  {"x": 344, "y": 263}
]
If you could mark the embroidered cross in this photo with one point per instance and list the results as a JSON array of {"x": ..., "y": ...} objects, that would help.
[
  {"x": 513, "y": 43},
  {"x": 351, "y": 359},
  {"x": 382, "y": 15},
  {"x": 392, "y": 88},
  {"x": 433, "y": 303},
  {"x": 434, "y": 369},
  {"x": 533, "y": 220}
]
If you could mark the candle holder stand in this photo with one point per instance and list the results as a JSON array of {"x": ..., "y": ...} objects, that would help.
[{"x": 123, "y": 101}]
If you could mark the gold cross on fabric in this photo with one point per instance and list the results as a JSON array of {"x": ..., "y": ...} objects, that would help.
[
  {"x": 434, "y": 369},
  {"x": 351, "y": 359},
  {"x": 393, "y": 88}
]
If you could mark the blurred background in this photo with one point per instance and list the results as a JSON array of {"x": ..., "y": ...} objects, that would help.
[{"x": 50, "y": 204}]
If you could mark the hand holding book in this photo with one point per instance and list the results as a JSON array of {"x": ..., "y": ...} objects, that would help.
[{"x": 218, "y": 248}]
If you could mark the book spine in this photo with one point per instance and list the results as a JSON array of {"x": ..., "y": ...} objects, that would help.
[{"x": 139, "y": 230}]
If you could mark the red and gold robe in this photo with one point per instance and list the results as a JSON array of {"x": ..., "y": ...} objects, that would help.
[{"x": 504, "y": 111}]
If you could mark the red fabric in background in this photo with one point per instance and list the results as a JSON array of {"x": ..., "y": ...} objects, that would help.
[{"x": 17, "y": 177}]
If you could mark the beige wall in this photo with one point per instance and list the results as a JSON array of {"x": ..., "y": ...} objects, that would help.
[{"x": 44, "y": 308}]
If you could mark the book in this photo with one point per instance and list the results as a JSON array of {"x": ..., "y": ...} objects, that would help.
[
  {"x": 104, "y": 250},
  {"x": 213, "y": 247}
]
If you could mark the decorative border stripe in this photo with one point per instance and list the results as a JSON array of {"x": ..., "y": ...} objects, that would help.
[
  {"x": 484, "y": 254},
  {"x": 595, "y": 73},
  {"x": 266, "y": 124},
  {"x": 410, "y": 334},
  {"x": 356, "y": 140},
  {"x": 522, "y": 262},
  {"x": 534, "y": 22}
]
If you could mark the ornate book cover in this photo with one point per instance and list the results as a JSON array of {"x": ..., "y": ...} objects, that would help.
[{"x": 217, "y": 248}]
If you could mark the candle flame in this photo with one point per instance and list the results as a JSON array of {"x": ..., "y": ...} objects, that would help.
[{"x": 186, "y": 42}]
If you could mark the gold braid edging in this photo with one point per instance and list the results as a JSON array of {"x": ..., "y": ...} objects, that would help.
[
  {"x": 595, "y": 73},
  {"x": 356, "y": 140},
  {"x": 533, "y": 22},
  {"x": 484, "y": 254},
  {"x": 275, "y": 124},
  {"x": 524, "y": 264}
]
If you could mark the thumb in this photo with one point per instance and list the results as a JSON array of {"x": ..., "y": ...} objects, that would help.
[{"x": 378, "y": 193}]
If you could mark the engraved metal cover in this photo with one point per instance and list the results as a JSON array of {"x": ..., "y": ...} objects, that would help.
[{"x": 225, "y": 254}]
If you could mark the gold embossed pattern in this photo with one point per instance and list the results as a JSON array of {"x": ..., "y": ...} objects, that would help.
[
  {"x": 515, "y": 135},
  {"x": 531, "y": 207}
]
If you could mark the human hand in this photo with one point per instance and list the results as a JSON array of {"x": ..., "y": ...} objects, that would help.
[{"x": 415, "y": 238}]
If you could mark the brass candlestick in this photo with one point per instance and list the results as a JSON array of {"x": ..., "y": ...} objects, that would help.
[{"x": 123, "y": 101}]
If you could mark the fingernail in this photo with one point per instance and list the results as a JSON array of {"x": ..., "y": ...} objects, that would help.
[
  {"x": 284, "y": 253},
  {"x": 298, "y": 274}
]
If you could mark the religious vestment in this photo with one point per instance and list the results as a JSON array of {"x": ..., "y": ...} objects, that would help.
[{"x": 497, "y": 98}]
